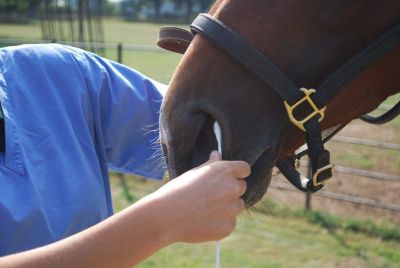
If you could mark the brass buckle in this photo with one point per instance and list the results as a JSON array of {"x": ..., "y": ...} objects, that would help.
[
  {"x": 290, "y": 109},
  {"x": 315, "y": 176}
]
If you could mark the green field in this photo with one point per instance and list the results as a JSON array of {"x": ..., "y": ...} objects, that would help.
[
  {"x": 269, "y": 236},
  {"x": 156, "y": 64},
  {"x": 273, "y": 236}
]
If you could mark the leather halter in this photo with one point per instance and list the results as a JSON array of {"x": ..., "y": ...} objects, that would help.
[{"x": 243, "y": 52}]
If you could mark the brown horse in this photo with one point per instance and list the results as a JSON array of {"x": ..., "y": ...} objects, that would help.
[{"x": 307, "y": 40}]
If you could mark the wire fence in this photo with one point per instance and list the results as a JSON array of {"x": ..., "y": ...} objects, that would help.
[
  {"x": 343, "y": 197},
  {"x": 117, "y": 46},
  {"x": 120, "y": 48}
]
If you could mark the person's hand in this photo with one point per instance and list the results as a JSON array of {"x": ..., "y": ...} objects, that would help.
[
  {"x": 200, "y": 205},
  {"x": 203, "y": 203}
]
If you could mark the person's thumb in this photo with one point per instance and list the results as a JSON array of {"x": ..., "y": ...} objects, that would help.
[{"x": 214, "y": 156}]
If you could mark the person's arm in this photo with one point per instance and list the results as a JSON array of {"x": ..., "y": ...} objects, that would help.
[{"x": 201, "y": 205}]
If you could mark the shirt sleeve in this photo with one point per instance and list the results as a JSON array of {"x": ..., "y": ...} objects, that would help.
[{"x": 126, "y": 104}]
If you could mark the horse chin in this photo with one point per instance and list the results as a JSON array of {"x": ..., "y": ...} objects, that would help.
[
  {"x": 259, "y": 179},
  {"x": 204, "y": 143}
]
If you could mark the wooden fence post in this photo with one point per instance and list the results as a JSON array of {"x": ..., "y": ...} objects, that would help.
[
  {"x": 125, "y": 188},
  {"x": 119, "y": 49}
]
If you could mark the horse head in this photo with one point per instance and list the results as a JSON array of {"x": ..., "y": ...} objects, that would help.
[{"x": 307, "y": 40}]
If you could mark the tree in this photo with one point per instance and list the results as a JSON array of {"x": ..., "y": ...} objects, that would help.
[
  {"x": 131, "y": 8},
  {"x": 189, "y": 8},
  {"x": 109, "y": 8},
  {"x": 157, "y": 6},
  {"x": 188, "y": 4},
  {"x": 205, "y": 4},
  {"x": 13, "y": 10},
  {"x": 13, "y": 5}
]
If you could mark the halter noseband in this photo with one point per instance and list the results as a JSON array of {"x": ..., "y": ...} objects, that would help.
[{"x": 242, "y": 51}]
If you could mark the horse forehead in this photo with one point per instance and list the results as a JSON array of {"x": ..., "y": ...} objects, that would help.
[
  {"x": 357, "y": 16},
  {"x": 333, "y": 13}
]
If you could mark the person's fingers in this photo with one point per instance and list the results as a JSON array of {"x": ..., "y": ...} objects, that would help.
[
  {"x": 238, "y": 206},
  {"x": 241, "y": 205},
  {"x": 236, "y": 189},
  {"x": 214, "y": 157},
  {"x": 239, "y": 169},
  {"x": 243, "y": 187}
]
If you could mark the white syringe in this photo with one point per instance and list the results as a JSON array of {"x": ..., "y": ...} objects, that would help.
[{"x": 218, "y": 136}]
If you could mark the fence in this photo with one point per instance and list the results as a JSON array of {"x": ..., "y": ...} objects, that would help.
[
  {"x": 150, "y": 60},
  {"x": 356, "y": 172},
  {"x": 281, "y": 186},
  {"x": 86, "y": 45}
]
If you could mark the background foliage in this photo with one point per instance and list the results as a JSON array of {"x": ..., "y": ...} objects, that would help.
[{"x": 25, "y": 10}]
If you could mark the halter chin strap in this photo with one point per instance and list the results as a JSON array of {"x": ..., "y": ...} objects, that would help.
[{"x": 248, "y": 56}]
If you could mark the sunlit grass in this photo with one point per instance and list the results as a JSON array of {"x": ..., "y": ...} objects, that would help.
[
  {"x": 274, "y": 236},
  {"x": 158, "y": 65}
]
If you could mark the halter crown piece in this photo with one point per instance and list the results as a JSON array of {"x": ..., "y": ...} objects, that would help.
[{"x": 243, "y": 52}]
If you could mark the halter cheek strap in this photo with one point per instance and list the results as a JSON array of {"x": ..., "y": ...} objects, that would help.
[{"x": 248, "y": 56}]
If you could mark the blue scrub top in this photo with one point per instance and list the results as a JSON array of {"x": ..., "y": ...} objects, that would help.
[{"x": 70, "y": 115}]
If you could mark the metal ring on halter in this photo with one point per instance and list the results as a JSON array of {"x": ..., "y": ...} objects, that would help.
[{"x": 297, "y": 164}]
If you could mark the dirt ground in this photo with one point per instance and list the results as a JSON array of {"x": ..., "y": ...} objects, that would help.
[{"x": 373, "y": 159}]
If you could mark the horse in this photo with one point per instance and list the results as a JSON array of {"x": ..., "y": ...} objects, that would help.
[{"x": 307, "y": 41}]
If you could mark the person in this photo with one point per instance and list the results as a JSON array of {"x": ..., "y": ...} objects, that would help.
[{"x": 70, "y": 116}]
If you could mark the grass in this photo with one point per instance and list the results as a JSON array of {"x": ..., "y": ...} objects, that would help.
[
  {"x": 141, "y": 33},
  {"x": 158, "y": 65},
  {"x": 383, "y": 230},
  {"x": 359, "y": 156},
  {"x": 116, "y": 30},
  {"x": 271, "y": 235},
  {"x": 395, "y": 123},
  {"x": 25, "y": 31},
  {"x": 392, "y": 100}
]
